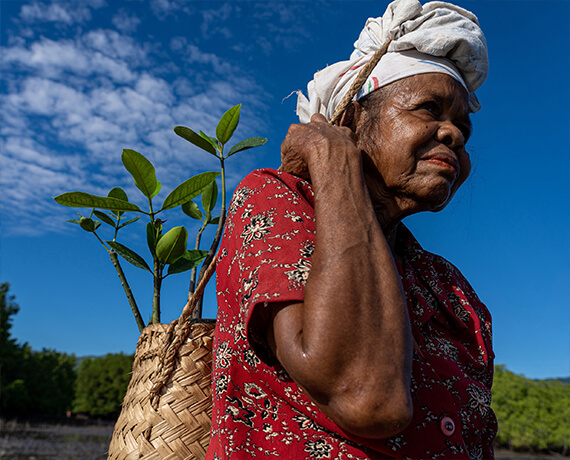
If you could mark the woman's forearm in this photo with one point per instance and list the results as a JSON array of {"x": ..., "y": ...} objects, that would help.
[{"x": 349, "y": 343}]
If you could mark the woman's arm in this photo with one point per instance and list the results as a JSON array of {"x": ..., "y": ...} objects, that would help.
[{"x": 348, "y": 344}]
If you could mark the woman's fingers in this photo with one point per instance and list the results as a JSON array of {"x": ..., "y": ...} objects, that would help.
[
  {"x": 292, "y": 156},
  {"x": 314, "y": 141}
]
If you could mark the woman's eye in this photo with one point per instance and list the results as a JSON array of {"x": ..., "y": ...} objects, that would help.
[{"x": 429, "y": 106}]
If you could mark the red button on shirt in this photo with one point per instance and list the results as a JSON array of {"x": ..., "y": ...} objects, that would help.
[{"x": 447, "y": 426}]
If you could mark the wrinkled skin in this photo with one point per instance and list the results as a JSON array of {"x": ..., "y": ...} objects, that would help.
[
  {"x": 414, "y": 148},
  {"x": 348, "y": 345}
]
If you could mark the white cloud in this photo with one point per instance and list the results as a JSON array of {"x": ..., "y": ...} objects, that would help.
[
  {"x": 155, "y": 89},
  {"x": 270, "y": 25},
  {"x": 59, "y": 12},
  {"x": 48, "y": 56},
  {"x": 81, "y": 58},
  {"x": 72, "y": 105},
  {"x": 164, "y": 8},
  {"x": 126, "y": 22},
  {"x": 114, "y": 45},
  {"x": 212, "y": 20},
  {"x": 40, "y": 96},
  {"x": 55, "y": 12},
  {"x": 194, "y": 54}
]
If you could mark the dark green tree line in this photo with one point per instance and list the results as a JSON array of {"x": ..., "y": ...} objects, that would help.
[
  {"x": 101, "y": 384},
  {"x": 31, "y": 382},
  {"x": 49, "y": 382},
  {"x": 10, "y": 352},
  {"x": 531, "y": 414}
]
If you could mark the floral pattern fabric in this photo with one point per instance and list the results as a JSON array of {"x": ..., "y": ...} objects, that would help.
[{"x": 258, "y": 410}]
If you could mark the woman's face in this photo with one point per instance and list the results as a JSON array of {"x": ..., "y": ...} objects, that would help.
[{"x": 415, "y": 143}]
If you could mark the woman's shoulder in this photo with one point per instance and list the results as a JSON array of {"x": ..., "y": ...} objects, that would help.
[
  {"x": 263, "y": 176},
  {"x": 271, "y": 184}
]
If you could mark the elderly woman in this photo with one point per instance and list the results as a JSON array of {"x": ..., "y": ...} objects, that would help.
[{"x": 338, "y": 335}]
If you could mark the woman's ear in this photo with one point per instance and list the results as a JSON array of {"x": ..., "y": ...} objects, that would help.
[{"x": 351, "y": 116}]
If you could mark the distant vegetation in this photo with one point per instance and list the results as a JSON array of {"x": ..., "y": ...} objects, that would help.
[
  {"x": 101, "y": 385},
  {"x": 51, "y": 383},
  {"x": 533, "y": 415},
  {"x": 31, "y": 382}
]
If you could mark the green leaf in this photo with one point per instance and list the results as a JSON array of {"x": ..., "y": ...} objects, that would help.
[
  {"x": 120, "y": 194},
  {"x": 105, "y": 217},
  {"x": 212, "y": 140},
  {"x": 129, "y": 222},
  {"x": 190, "y": 259},
  {"x": 88, "y": 224},
  {"x": 188, "y": 190},
  {"x": 74, "y": 221},
  {"x": 210, "y": 196},
  {"x": 198, "y": 141},
  {"x": 248, "y": 143},
  {"x": 228, "y": 124},
  {"x": 172, "y": 245},
  {"x": 215, "y": 220},
  {"x": 86, "y": 200},
  {"x": 191, "y": 209},
  {"x": 157, "y": 191},
  {"x": 151, "y": 237},
  {"x": 142, "y": 170},
  {"x": 129, "y": 255}
]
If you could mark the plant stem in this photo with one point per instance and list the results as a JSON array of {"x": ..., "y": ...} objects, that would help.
[
  {"x": 117, "y": 228},
  {"x": 218, "y": 236},
  {"x": 124, "y": 283},
  {"x": 101, "y": 241},
  {"x": 223, "y": 171},
  {"x": 156, "y": 292},
  {"x": 151, "y": 213},
  {"x": 195, "y": 269},
  {"x": 127, "y": 289},
  {"x": 157, "y": 276}
]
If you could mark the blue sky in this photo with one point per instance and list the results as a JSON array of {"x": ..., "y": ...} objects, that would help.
[{"x": 82, "y": 80}]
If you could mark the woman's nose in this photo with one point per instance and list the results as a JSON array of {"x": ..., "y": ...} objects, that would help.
[{"x": 450, "y": 135}]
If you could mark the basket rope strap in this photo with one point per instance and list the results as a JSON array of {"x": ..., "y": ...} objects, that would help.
[
  {"x": 175, "y": 336},
  {"x": 360, "y": 80}
]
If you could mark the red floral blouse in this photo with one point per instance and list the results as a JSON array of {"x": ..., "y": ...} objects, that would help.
[{"x": 258, "y": 410}]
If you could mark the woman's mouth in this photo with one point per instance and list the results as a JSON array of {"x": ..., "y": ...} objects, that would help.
[
  {"x": 441, "y": 163},
  {"x": 444, "y": 162}
]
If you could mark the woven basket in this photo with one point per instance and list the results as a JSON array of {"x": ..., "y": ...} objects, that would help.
[
  {"x": 167, "y": 410},
  {"x": 180, "y": 426}
]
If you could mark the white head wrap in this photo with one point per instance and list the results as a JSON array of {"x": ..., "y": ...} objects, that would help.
[{"x": 438, "y": 37}]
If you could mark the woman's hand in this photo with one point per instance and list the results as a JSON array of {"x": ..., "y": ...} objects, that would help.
[
  {"x": 316, "y": 150},
  {"x": 316, "y": 144}
]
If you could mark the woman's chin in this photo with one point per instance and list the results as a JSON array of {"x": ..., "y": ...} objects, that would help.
[{"x": 436, "y": 199}]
